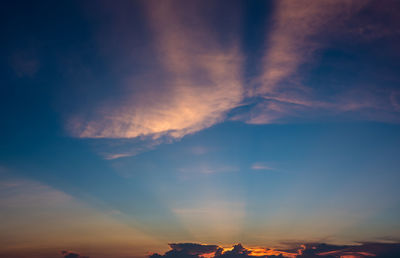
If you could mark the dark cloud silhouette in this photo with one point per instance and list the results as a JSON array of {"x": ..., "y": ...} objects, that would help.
[
  {"x": 321, "y": 250},
  {"x": 309, "y": 250},
  {"x": 237, "y": 251},
  {"x": 194, "y": 249},
  {"x": 315, "y": 249},
  {"x": 69, "y": 254},
  {"x": 188, "y": 250},
  {"x": 381, "y": 250}
]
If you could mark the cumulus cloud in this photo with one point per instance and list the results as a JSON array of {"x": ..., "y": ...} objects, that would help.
[
  {"x": 310, "y": 250},
  {"x": 237, "y": 251},
  {"x": 188, "y": 250}
]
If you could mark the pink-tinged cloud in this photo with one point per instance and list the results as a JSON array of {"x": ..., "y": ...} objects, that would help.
[
  {"x": 291, "y": 40},
  {"x": 195, "y": 76},
  {"x": 198, "y": 82},
  {"x": 361, "y": 104},
  {"x": 300, "y": 29},
  {"x": 395, "y": 100}
]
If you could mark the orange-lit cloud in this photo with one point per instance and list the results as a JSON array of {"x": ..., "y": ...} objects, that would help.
[
  {"x": 200, "y": 81},
  {"x": 303, "y": 251},
  {"x": 258, "y": 251},
  {"x": 196, "y": 76}
]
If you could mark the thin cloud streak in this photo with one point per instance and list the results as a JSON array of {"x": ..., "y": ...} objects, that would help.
[
  {"x": 261, "y": 166},
  {"x": 368, "y": 104},
  {"x": 208, "y": 169}
]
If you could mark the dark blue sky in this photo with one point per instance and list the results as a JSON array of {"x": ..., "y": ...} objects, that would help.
[{"x": 198, "y": 121}]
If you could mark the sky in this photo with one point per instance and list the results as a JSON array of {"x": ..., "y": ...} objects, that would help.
[{"x": 130, "y": 125}]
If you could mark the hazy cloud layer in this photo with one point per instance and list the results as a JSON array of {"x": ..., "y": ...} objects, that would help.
[
  {"x": 40, "y": 216},
  {"x": 212, "y": 218}
]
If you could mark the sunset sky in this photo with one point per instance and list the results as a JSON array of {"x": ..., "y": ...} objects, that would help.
[{"x": 128, "y": 125}]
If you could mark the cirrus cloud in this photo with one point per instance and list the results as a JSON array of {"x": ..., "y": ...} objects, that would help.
[
  {"x": 197, "y": 82},
  {"x": 193, "y": 75}
]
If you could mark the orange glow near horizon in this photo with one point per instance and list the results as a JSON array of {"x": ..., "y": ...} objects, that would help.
[
  {"x": 258, "y": 251},
  {"x": 265, "y": 251},
  {"x": 344, "y": 254}
]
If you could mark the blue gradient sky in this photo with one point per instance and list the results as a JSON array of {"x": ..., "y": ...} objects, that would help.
[{"x": 138, "y": 123}]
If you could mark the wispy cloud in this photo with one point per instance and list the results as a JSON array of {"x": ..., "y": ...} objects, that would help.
[
  {"x": 200, "y": 81},
  {"x": 299, "y": 30},
  {"x": 291, "y": 41},
  {"x": 199, "y": 150},
  {"x": 261, "y": 166},
  {"x": 209, "y": 169},
  {"x": 356, "y": 103},
  {"x": 197, "y": 67}
]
